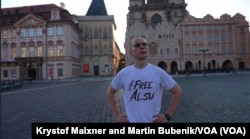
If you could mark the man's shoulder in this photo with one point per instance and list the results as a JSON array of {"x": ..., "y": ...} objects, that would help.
[
  {"x": 157, "y": 69},
  {"x": 126, "y": 68},
  {"x": 153, "y": 66}
]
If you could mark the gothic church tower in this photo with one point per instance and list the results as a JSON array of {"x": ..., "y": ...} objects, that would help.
[{"x": 159, "y": 22}]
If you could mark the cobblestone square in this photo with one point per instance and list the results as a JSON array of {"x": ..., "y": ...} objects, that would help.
[{"x": 222, "y": 98}]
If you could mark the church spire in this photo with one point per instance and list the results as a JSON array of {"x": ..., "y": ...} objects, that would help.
[{"x": 97, "y": 7}]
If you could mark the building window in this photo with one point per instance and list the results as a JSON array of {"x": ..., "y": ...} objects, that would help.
[
  {"x": 194, "y": 29},
  {"x": 105, "y": 49},
  {"x": 230, "y": 37},
  {"x": 50, "y": 31},
  {"x": 59, "y": 31},
  {"x": 187, "y": 50},
  {"x": 168, "y": 51},
  {"x": 165, "y": 36},
  {"x": 39, "y": 32},
  {"x": 51, "y": 72},
  {"x": 194, "y": 37},
  {"x": 23, "y": 33},
  {"x": 200, "y": 37},
  {"x": 199, "y": 28},
  {"x": 223, "y": 37},
  {"x": 105, "y": 34},
  {"x": 5, "y": 54},
  {"x": 243, "y": 50},
  {"x": 230, "y": 49},
  {"x": 95, "y": 34},
  {"x": 216, "y": 49},
  {"x": 13, "y": 34},
  {"x": 31, "y": 32},
  {"x": 39, "y": 51},
  {"x": 176, "y": 51},
  {"x": 55, "y": 14},
  {"x": 51, "y": 51},
  {"x": 100, "y": 33},
  {"x": 23, "y": 52},
  {"x": 194, "y": 50},
  {"x": 32, "y": 52},
  {"x": 242, "y": 39},
  {"x": 13, "y": 52},
  {"x": 59, "y": 51},
  {"x": 96, "y": 50},
  {"x": 13, "y": 73},
  {"x": 215, "y": 28},
  {"x": 161, "y": 51},
  {"x": 175, "y": 14},
  {"x": 171, "y": 36},
  {"x": 156, "y": 19},
  {"x": 223, "y": 27},
  {"x": 209, "y": 28},
  {"x": 210, "y": 47},
  {"x": 5, "y": 34},
  {"x": 153, "y": 49},
  {"x": 5, "y": 73},
  {"x": 216, "y": 37},
  {"x": 187, "y": 38},
  {"x": 60, "y": 72},
  {"x": 86, "y": 35},
  {"x": 209, "y": 37},
  {"x": 87, "y": 50},
  {"x": 224, "y": 49},
  {"x": 106, "y": 68}
]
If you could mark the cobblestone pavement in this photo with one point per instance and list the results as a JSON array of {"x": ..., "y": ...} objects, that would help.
[{"x": 223, "y": 98}]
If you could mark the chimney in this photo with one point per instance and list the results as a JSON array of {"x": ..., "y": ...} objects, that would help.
[{"x": 62, "y": 5}]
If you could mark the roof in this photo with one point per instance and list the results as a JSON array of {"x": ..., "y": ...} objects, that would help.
[
  {"x": 14, "y": 14},
  {"x": 97, "y": 7}
]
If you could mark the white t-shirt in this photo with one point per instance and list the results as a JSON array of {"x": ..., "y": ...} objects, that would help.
[{"x": 142, "y": 91}]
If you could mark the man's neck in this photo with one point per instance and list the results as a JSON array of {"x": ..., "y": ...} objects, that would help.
[{"x": 140, "y": 64}]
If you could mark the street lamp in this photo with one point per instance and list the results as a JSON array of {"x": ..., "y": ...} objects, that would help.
[{"x": 204, "y": 50}]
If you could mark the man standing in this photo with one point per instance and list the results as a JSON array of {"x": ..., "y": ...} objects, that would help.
[{"x": 143, "y": 85}]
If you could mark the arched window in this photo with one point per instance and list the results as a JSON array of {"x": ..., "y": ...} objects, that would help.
[
  {"x": 105, "y": 33},
  {"x": 96, "y": 34},
  {"x": 156, "y": 19}
]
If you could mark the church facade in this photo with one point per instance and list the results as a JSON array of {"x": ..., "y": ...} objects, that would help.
[
  {"x": 159, "y": 22},
  {"x": 180, "y": 43}
]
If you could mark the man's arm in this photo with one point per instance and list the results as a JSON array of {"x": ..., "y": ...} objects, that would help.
[
  {"x": 176, "y": 92},
  {"x": 113, "y": 103},
  {"x": 175, "y": 100}
]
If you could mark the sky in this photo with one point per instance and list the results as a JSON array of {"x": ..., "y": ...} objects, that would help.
[{"x": 119, "y": 8}]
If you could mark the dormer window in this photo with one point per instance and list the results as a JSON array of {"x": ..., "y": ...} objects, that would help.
[{"x": 55, "y": 14}]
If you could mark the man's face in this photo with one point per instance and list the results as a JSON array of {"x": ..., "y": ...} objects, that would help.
[{"x": 139, "y": 49}]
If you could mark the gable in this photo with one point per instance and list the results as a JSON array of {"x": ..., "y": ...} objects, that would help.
[
  {"x": 238, "y": 15},
  {"x": 29, "y": 19}
]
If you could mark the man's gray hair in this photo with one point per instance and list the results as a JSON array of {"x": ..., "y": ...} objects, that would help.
[{"x": 132, "y": 41}]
